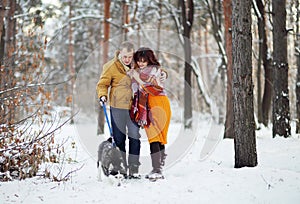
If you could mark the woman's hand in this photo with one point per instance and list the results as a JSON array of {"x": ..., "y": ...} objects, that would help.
[
  {"x": 130, "y": 73},
  {"x": 163, "y": 76}
]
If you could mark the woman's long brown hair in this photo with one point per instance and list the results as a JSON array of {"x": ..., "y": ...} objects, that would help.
[{"x": 147, "y": 55}]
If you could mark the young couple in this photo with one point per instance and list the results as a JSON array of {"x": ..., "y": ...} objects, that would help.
[{"x": 134, "y": 84}]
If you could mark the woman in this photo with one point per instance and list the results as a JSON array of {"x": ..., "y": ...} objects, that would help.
[{"x": 151, "y": 107}]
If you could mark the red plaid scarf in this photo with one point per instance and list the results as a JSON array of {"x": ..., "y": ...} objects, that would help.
[{"x": 139, "y": 111}]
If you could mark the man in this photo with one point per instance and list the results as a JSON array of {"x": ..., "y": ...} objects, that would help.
[{"x": 114, "y": 77}]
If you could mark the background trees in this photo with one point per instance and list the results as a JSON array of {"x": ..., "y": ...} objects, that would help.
[
  {"x": 28, "y": 118},
  {"x": 45, "y": 46}
]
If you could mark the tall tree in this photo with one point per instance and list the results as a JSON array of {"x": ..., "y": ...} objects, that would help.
[
  {"x": 227, "y": 6},
  {"x": 187, "y": 9},
  {"x": 297, "y": 47},
  {"x": 8, "y": 81},
  {"x": 71, "y": 59},
  {"x": 244, "y": 125},
  {"x": 125, "y": 20},
  {"x": 10, "y": 30},
  {"x": 159, "y": 28},
  {"x": 263, "y": 104},
  {"x": 281, "y": 109},
  {"x": 2, "y": 13},
  {"x": 3, "y": 6},
  {"x": 100, "y": 118},
  {"x": 106, "y": 30}
]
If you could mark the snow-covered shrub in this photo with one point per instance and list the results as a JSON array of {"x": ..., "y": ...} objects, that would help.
[
  {"x": 24, "y": 147},
  {"x": 27, "y": 122}
]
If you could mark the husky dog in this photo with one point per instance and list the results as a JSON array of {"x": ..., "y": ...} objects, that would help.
[{"x": 110, "y": 159}]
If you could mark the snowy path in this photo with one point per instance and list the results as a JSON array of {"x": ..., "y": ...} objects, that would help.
[{"x": 275, "y": 180}]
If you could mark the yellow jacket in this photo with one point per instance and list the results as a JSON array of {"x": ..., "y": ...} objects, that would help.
[{"x": 114, "y": 77}]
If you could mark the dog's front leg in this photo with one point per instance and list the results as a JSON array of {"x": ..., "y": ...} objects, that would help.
[{"x": 99, "y": 176}]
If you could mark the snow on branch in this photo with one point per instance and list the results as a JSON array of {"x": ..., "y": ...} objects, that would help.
[
  {"x": 32, "y": 86},
  {"x": 173, "y": 11},
  {"x": 203, "y": 89},
  {"x": 256, "y": 9}
]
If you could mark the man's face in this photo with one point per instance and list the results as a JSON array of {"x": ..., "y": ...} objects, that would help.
[{"x": 126, "y": 56}]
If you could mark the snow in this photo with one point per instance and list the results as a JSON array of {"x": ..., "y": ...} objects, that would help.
[
  {"x": 276, "y": 179},
  {"x": 284, "y": 94}
]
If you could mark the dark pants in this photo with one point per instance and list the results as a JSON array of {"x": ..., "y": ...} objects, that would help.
[{"x": 122, "y": 124}]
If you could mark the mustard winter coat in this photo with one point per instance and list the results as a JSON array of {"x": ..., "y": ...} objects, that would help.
[{"x": 114, "y": 77}]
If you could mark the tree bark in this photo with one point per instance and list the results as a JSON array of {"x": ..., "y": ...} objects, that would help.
[
  {"x": 244, "y": 125},
  {"x": 281, "y": 109},
  {"x": 159, "y": 28},
  {"x": 264, "y": 104},
  {"x": 2, "y": 14},
  {"x": 216, "y": 27},
  {"x": 227, "y": 5},
  {"x": 297, "y": 46},
  {"x": 106, "y": 30},
  {"x": 9, "y": 59},
  {"x": 125, "y": 20},
  {"x": 9, "y": 47},
  {"x": 187, "y": 21},
  {"x": 100, "y": 112},
  {"x": 71, "y": 61}
]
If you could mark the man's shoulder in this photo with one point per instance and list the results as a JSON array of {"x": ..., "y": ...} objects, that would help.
[{"x": 110, "y": 64}]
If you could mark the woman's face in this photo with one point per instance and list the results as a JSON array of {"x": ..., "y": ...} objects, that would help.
[{"x": 142, "y": 63}]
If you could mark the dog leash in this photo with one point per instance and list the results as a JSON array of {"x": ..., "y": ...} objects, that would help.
[{"x": 109, "y": 127}]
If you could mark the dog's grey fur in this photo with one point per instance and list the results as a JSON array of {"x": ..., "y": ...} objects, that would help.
[{"x": 110, "y": 158}]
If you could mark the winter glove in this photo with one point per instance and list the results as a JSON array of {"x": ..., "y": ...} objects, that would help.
[
  {"x": 163, "y": 76},
  {"x": 142, "y": 123},
  {"x": 102, "y": 100}
]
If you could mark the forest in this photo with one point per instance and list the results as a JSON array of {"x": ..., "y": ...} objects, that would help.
[{"x": 238, "y": 61}]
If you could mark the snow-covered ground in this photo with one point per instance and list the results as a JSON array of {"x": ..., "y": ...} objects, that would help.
[{"x": 189, "y": 179}]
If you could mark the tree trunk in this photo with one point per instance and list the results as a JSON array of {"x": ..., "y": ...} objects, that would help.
[
  {"x": 106, "y": 31},
  {"x": 216, "y": 27},
  {"x": 281, "y": 109},
  {"x": 244, "y": 125},
  {"x": 159, "y": 28},
  {"x": 264, "y": 104},
  {"x": 2, "y": 14},
  {"x": 228, "y": 40},
  {"x": 187, "y": 21},
  {"x": 100, "y": 112},
  {"x": 134, "y": 20},
  {"x": 9, "y": 46},
  {"x": 297, "y": 45},
  {"x": 125, "y": 20},
  {"x": 71, "y": 61},
  {"x": 2, "y": 44},
  {"x": 258, "y": 79},
  {"x": 267, "y": 96},
  {"x": 9, "y": 59},
  {"x": 2, "y": 37}
]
